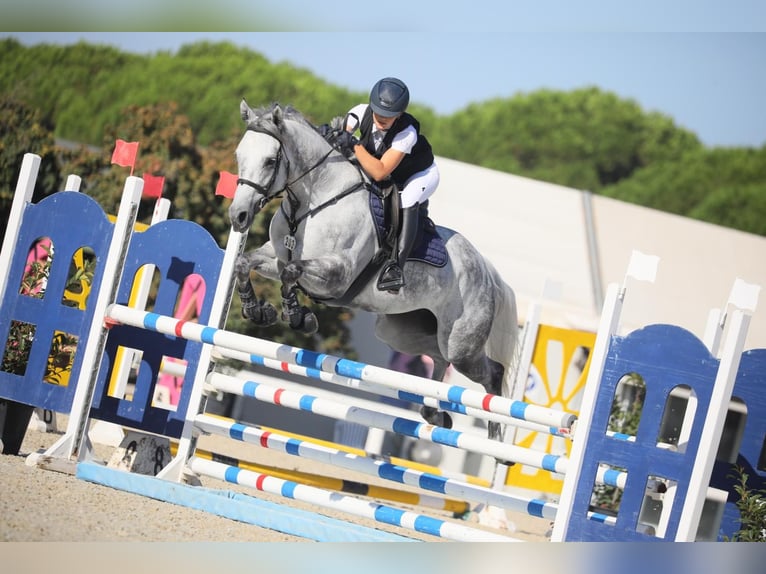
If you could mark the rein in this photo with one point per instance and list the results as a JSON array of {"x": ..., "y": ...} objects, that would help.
[
  {"x": 264, "y": 189},
  {"x": 292, "y": 221}
]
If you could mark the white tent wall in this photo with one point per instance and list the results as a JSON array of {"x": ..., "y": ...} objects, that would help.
[
  {"x": 534, "y": 231},
  {"x": 530, "y": 230},
  {"x": 698, "y": 265}
]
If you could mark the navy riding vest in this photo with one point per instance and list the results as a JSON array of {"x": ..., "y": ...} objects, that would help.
[{"x": 420, "y": 157}]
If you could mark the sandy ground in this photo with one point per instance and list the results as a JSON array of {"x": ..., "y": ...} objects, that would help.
[{"x": 38, "y": 505}]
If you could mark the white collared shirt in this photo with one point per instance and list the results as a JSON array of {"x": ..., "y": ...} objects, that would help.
[{"x": 404, "y": 141}]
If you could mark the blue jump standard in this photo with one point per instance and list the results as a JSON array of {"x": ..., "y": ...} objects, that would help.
[{"x": 237, "y": 506}]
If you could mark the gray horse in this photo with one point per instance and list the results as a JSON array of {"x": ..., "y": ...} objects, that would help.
[{"x": 323, "y": 236}]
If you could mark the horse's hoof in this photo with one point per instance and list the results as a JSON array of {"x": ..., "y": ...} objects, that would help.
[
  {"x": 263, "y": 315},
  {"x": 436, "y": 418},
  {"x": 269, "y": 315},
  {"x": 301, "y": 319},
  {"x": 310, "y": 323}
]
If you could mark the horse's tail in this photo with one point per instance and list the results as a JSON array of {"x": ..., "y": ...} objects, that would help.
[{"x": 503, "y": 344}]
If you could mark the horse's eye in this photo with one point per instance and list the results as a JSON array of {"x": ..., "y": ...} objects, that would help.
[{"x": 271, "y": 162}]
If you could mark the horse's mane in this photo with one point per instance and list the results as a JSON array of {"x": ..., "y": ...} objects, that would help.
[
  {"x": 264, "y": 113},
  {"x": 263, "y": 120}
]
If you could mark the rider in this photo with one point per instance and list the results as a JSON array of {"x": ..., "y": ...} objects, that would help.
[{"x": 391, "y": 146}]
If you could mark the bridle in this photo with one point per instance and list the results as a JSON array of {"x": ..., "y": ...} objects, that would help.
[{"x": 293, "y": 221}]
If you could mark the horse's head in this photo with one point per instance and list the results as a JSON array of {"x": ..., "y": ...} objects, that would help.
[{"x": 262, "y": 164}]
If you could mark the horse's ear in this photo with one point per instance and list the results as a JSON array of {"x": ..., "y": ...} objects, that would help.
[
  {"x": 246, "y": 111},
  {"x": 278, "y": 116}
]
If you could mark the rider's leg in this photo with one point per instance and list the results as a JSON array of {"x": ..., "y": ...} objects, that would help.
[
  {"x": 392, "y": 276},
  {"x": 416, "y": 191}
]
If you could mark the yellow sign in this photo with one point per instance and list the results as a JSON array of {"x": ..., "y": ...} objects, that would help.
[{"x": 556, "y": 380}]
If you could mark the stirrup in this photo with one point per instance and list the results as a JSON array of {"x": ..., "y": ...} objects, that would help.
[{"x": 391, "y": 278}]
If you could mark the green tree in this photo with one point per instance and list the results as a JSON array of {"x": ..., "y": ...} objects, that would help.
[
  {"x": 739, "y": 206},
  {"x": 167, "y": 147},
  {"x": 751, "y": 503},
  {"x": 586, "y": 139},
  {"x": 725, "y": 186},
  {"x": 25, "y": 130}
]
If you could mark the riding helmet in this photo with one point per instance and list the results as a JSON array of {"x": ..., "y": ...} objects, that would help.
[{"x": 389, "y": 97}]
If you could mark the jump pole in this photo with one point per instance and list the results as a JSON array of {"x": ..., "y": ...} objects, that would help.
[
  {"x": 400, "y": 425},
  {"x": 386, "y": 391},
  {"x": 332, "y": 456},
  {"x": 457, "y": 507},
  {"x": 366, "y": 465},
  {"x": 378, "y": 512},
  {"x": 435, "y": 470},
  {"x": 345, "y": 367}
]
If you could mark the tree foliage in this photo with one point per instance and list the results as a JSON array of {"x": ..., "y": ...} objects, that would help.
[
  {"x": 24, "y": 129},
  {"x": 586, "y": 139},
  {"x": 183, "y": 109},
  {"x": 726, "y": 186}
]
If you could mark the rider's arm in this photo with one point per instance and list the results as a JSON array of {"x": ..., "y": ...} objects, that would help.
[{"x": 378, "y": 169}]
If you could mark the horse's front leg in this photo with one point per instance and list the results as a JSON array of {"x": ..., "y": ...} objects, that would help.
[
  {"x": 299, "y": 317},
  {"x": 323, "y": 277},
  {"x": 264, "y": 262}
]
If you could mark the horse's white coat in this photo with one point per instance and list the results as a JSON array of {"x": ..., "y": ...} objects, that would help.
[{"x": 462, "y": 313}]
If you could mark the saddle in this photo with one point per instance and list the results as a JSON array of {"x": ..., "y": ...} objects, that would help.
[{"x": 385, "y": 208}]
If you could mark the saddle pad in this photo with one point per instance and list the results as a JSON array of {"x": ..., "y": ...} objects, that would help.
[{"x": 429, "y": 246}]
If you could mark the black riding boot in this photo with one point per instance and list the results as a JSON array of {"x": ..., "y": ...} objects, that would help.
[{"x": 392, "y": 278}]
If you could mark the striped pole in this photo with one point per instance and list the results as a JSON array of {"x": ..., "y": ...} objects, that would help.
[
  {"x": 389, "y": 392},
  {"x": 344, "y": 367},
  {"x": 401, "y": 425},
  {"x": 381, "y": 420},
  {"x": 410, "y": 464},
  {"x": 457, "y": 507},
  {"x": 377, "y": 468},
  {"x": 275, "y": 440},
  {"x": 378, "y": 512}
]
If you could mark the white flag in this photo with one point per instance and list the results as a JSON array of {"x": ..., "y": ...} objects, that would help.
[
  {"x": 643, "y": 267},
  {"x": 744, "y": 295}
]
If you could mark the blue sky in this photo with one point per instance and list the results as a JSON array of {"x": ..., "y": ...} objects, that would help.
[{"x": 703, "y": 66}]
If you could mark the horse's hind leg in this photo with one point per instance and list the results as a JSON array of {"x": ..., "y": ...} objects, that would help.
[
  {"x": 490, "y": 375},
  {"x": 432, "y": 415},
  {"x": 414, "y": 333}
]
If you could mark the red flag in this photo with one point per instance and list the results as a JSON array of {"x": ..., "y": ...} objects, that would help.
[
  {"x": 227, "y": 184},
  {"x": 124, "y": 154},
  {"x": 153, "y": 185}
]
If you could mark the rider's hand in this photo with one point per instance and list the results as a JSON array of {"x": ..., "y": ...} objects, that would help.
[
  {"x": 345, "y": 142},
  {"x": 326, "y": 131}
]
